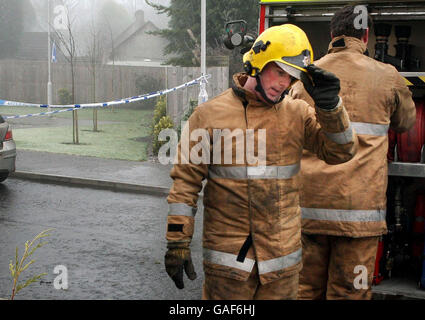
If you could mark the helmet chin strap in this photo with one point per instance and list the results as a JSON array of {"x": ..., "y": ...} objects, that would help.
[{"x": 260, "y": 89}]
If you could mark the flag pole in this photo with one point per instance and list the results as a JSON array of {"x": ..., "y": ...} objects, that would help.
[
  {"x": 49, "y": 56},
  {"x": 203, "y": 95}
]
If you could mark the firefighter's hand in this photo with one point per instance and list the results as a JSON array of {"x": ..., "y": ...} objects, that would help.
[
  {"x": 323, "y": 87},
  {"x": 177, "y": 259}
]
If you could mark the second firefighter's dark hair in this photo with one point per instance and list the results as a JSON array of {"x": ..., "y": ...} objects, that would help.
[{"x": 342, "y": 23}]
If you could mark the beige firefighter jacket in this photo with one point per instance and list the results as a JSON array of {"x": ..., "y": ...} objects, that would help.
[
  {"x": 243, "y": 198},
  {"x": 350, "y": 199}
]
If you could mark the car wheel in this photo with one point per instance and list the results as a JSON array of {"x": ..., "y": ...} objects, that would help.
[{"x": 3, "y": 176}]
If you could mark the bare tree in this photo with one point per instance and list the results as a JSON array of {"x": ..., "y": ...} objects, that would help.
[
  {"x": 113, "y": 18},
  {"x": 94, "y": 55},
  {"x": 107, "y": 23},
  {"x": 67, "y": 45},
  {"x": 196, "y": 51}
]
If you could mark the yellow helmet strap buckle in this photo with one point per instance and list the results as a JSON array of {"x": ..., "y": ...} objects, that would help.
[{"x": 247, "y": 67}]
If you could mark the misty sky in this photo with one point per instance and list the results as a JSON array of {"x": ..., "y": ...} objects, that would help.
[
  {"x": 84, "y": 5},
  {"x": 150, "y": 14},
  {"x": 81, "y": 10}
]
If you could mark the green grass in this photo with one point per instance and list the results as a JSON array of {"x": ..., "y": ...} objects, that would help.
[
  {"x": 104, "y": 114},
  {"x": 125, "y": 138},
  {"x": 5, "y": 110}
]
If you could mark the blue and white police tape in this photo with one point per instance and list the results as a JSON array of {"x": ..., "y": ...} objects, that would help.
[
  {"x": 98, "y": 104},
  {"x": 37, "y": 114}
]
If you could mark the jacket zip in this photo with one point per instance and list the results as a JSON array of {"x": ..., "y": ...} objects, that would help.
[{"x": 251, "y": 227}]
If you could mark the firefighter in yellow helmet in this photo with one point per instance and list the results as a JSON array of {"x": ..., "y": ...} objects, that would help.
[{"x": 251, "y": 218}]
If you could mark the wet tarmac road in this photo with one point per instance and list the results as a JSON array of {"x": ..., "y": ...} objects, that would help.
[{"x": 112, "y": 244}]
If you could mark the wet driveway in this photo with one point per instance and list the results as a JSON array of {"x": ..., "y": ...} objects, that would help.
[{"x": 112, "y": 244}]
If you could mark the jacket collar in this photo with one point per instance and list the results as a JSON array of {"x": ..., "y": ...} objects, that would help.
[
  {"x": 246, "y": 96},
  {"x": 349, "y": 44}
]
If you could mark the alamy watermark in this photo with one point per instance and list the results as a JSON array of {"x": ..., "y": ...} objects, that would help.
[
  {"x": 360, "y": 281},
  {"x": 61, "y": 281},
  {"x": 361, "y": 21},
  {"x": 214, "y": 146}
]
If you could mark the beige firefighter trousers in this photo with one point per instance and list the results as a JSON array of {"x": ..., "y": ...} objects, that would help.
[
  {"x": 337, "y": 268},
  {"x": 221, "y": 288}
]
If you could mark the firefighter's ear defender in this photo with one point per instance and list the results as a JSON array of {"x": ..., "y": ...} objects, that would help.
[{"x": 286, "y": 45}]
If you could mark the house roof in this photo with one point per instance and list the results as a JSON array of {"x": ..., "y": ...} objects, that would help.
[
  {"x": 133, "y": 30},
  {"x": 123, "y": 38}
]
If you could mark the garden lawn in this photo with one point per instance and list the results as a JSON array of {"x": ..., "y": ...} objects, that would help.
[{"x": 125, "y": 136}]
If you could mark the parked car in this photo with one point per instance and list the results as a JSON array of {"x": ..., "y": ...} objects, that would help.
[{"x": 7, "y": 150}]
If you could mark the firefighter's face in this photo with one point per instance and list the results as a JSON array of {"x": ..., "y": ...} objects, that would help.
[{"x": 274, "y": 81}]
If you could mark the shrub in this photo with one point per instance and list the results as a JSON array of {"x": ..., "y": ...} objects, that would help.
[
  {"x": 160, "y": 110},
  {"x": 187, "y": 114},
  {"x": 65, "y": 97},
  {"x": 18, "y": 266},
  {"x": 147, "y": 84},
  {"x": 164, "y": 123}
]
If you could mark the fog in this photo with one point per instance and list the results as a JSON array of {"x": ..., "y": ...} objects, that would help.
[
  {"x": 160, "y": 21},
  {"x": 89, "y": 16},
  {"x": 81, "y": 8}
]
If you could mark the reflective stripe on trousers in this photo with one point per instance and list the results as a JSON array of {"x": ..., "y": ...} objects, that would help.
[
  {"x": 181, "y": 209},
  {"x": 229, "y": 260},
  {"x": 259, "y": 172},
  {"x": 343, "y": 215}
]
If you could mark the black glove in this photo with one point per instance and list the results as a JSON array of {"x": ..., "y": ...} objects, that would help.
[
  {"x": 324, "y": 89},
  {"x": 176, "y": 259}
]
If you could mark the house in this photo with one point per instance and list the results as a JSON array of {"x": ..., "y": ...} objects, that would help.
[{"x": 136, "y": 47}]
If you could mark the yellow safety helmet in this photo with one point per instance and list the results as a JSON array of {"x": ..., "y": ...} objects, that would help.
[{"x": 287, "y": 45}]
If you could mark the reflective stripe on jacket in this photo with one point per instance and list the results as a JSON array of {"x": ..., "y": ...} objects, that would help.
[
  {"x": 245, "y": 200},
  {"x": 350, "y": 199}
]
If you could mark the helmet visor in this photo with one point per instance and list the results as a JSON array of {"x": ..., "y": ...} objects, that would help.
[
  {"x": 291, "y": 70},
  {"x": 295, "y": 65}
]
